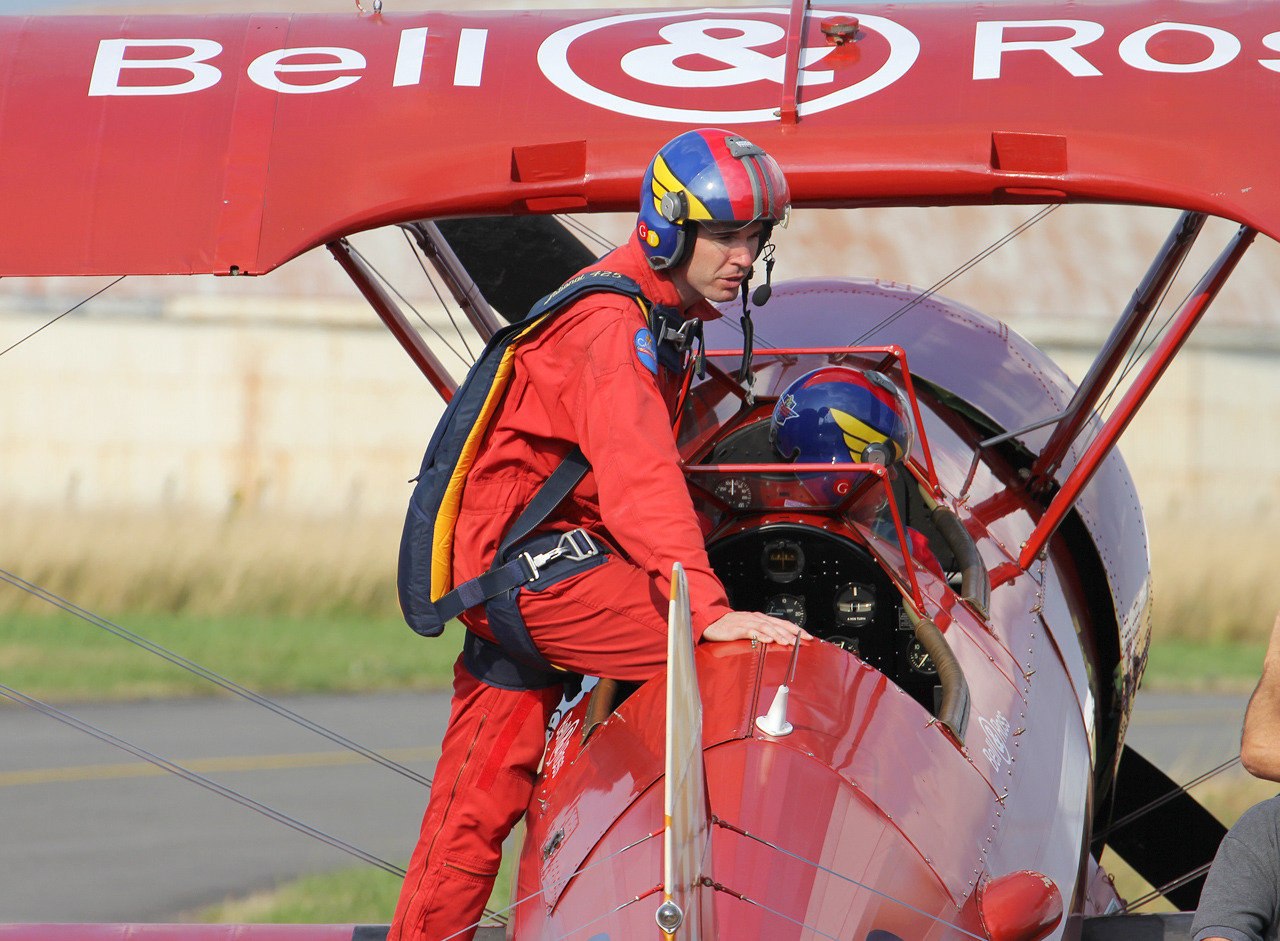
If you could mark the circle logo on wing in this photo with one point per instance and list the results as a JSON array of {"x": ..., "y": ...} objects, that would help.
[{"x": 720, "y": 66}]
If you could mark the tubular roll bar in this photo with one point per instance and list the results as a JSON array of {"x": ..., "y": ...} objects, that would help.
[
  {"x": 889, "y": 354},
  {"x": 391, "y": 315},
  {"x": 1188, "y": 317}
]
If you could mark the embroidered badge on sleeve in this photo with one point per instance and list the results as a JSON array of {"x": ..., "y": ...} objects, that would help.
[{"x": 646, "y": 350}]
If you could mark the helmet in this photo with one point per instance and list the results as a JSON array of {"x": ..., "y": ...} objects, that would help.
[
  {"x": 704, "y": 176},
  {"x": 838, "y": 415}
]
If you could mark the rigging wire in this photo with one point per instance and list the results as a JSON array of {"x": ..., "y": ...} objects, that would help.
[
  {"x": 862, "y": 885},
  {"x": 418, "y": 257},
  {"x": 394, "y": 290},
  {"x": 544, "y": 886},
  {"x": 937, "y": 285},
  {"x": 195, "y": 778},
  {"x": 63, "y": 314},
  {"x": 956, "y": 272},
  {"x": 1142, "y": 344},
  {"x": 572, "y": 222},
  {"x": 1165, "y": 798},
  {"x": 773, "y": 911},
  {"x": 207, "y": 674},
  {"x": 1152, "y": 805},
  {"x": 1167, "y": 887}
]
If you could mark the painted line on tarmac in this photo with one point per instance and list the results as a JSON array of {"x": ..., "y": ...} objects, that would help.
[{"x": 142, "y": 769}]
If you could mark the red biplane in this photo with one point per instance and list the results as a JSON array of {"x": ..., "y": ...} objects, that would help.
[{"x": 947, "y": 760}]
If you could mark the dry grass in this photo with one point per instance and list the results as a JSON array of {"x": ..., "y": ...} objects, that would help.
[
  {"x": 1214, "y": 582},
  {"x": 168, "y": 564}
]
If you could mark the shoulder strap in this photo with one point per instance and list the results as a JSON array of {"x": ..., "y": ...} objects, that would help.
[
  {"x": 503, "y": 577},
  {"x": 586, "y": 283}
]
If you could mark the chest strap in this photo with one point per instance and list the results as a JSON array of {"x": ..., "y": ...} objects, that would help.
[{"x": 529, "y": 566}]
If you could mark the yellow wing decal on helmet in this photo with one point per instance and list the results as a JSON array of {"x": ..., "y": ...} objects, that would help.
[
  {"x": 664, "y": 181},
  {"x": 857, "y": 434}
]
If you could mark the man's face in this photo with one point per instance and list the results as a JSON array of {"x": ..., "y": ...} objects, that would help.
[{"x": 720, "y": 259}]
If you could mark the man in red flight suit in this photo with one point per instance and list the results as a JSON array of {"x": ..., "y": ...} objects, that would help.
[{"x": 591, "y": 377}]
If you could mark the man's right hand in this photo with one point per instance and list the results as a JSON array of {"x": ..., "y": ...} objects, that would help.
[{"x": 753, "y": 625}]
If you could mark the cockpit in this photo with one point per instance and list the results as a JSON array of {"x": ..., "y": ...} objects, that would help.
[{"x": 822, "y": 545}]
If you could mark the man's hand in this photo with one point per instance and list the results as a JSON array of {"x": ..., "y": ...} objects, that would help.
[
  {"x": 1260, "y": 743},
  {"x": 752, "y": 625}
]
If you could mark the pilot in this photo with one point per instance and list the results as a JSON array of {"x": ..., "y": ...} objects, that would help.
[
  {"x": 840, "y": 415},
  {"x": 596, "y": 377}
]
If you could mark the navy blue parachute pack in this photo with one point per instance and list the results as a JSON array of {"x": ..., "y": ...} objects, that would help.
[{"x": 426, "y": 546}]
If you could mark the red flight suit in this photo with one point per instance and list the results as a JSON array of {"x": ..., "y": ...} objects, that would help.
[{"x": 584, "y": 379}]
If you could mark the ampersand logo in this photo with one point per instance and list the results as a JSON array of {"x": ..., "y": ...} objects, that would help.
[{"x": 720, "y": 66}]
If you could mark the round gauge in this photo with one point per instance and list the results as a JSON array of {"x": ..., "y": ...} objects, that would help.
[
  {"x": 783, "y": 560},
  {"x": 734, "y": 491},
  {"x": 919, "y": 659},
  {"x": 845, "y": 643},
  {"x": 856, "y": 606},
  {"x": 787, "y": 606}
]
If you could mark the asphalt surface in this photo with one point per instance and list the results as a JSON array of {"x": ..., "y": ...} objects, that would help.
[{"x": 91, "y": 833}]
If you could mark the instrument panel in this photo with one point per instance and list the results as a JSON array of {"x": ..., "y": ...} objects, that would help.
[{"x": 832, "y": 587}]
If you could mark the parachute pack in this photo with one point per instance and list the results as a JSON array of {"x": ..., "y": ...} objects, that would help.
[{"x": 427, "y": 597}]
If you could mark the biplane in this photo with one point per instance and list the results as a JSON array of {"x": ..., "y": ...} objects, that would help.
[{"x": 946, "y": 760}]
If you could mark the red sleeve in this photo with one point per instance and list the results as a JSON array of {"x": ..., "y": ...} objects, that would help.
[{"x": 624, "y": 429}]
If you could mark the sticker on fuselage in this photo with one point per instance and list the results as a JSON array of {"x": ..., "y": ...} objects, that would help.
[{"x": 996, "y": 732}]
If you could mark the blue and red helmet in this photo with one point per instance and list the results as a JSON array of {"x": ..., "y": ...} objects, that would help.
[
  {"x": 708, "y": 175},
  {"x": 841, "y": 415}
]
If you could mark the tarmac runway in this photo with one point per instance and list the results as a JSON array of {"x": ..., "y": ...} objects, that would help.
[{"x": 90, "y": 833}]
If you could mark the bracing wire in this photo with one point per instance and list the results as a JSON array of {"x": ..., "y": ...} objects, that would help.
[
  {"x": 1152, "y": 805},
  {"x": 1142, "y": 345},
  {"x": 783, "y": 915},
  {"x": 1167, "y": 887},
  {"x": 63, "y": 314},
  {"x": 937, "y": 285},
  {"x": 956, "y": 272},
  {"x": 417, "y": 256},
  {"x": 195, "y": 778},
  {"x": 212, "y": 677},
  {"x": 572, "y": 222},
  {"x": 391, "y": 287},
  {"x": 555, "y": 884},
  {"x": 862, "y": 885},
  {"x": 1165, "y": 798}
]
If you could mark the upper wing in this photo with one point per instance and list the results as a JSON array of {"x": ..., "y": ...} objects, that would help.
[{"x": 230, "y": 144}]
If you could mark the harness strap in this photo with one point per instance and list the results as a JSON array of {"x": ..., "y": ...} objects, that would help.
[{"x": 505, "y": 575}]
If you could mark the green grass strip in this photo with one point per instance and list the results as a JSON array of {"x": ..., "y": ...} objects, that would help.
[{"x": 61, "y": 657}]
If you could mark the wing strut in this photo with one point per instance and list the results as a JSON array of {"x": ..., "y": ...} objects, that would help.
[
  {"x": 465, "y": 291},
  {"x": 391, "y": 315},
  {"x": 686, "y": 840},
  {"x": 1134, "y": 318},
  {"x": 1101, "y": 446}
]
